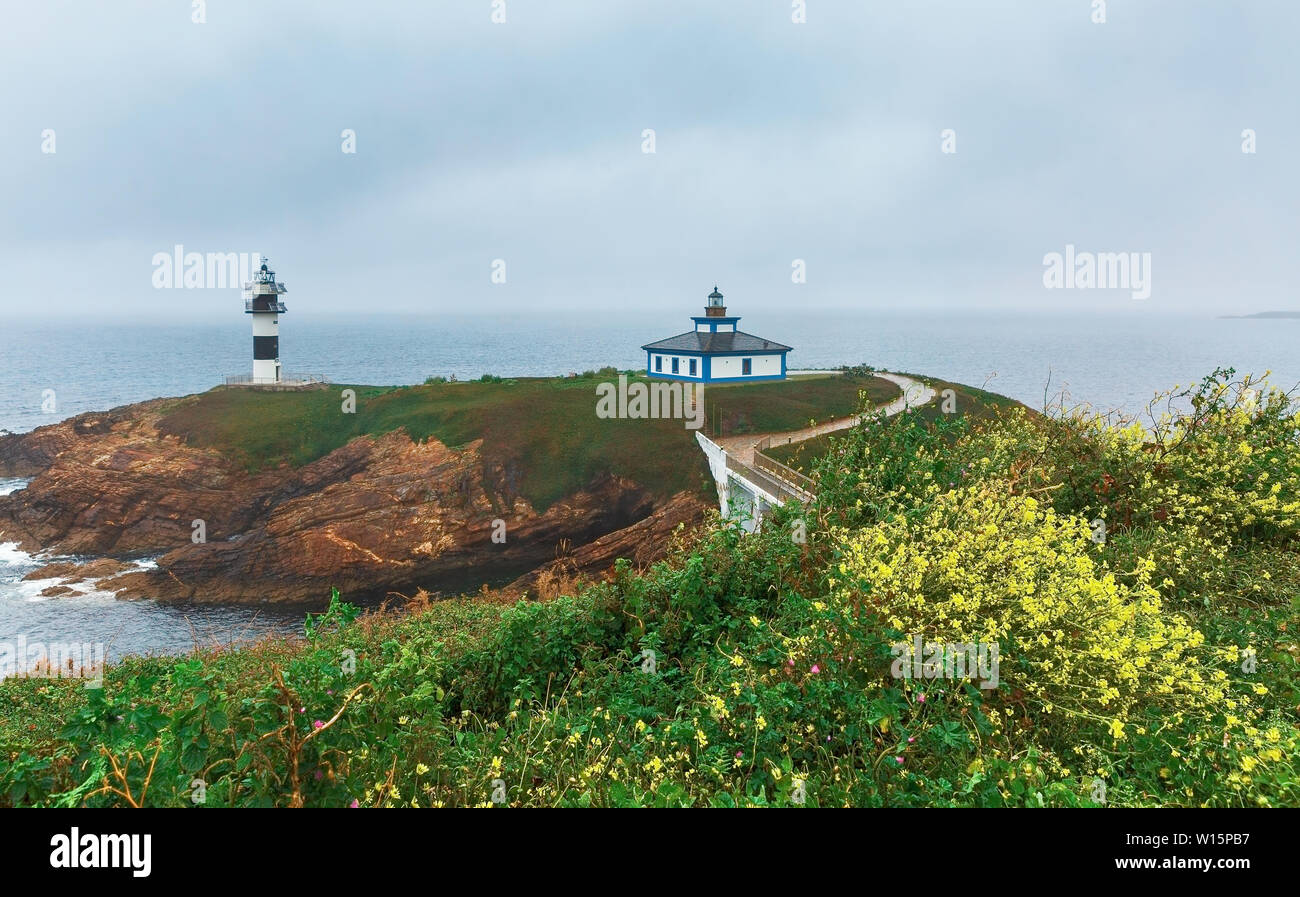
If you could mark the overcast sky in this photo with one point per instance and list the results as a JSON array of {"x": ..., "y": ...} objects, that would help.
[{"x": 774, "y": 141}]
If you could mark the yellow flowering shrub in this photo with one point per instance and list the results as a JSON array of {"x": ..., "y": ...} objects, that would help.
[{"x": 1077, "y": 643}]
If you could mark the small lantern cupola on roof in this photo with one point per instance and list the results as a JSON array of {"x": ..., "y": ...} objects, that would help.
[
  {"x": 715, "y": 318},
  {"x": 715, "y": 308}
]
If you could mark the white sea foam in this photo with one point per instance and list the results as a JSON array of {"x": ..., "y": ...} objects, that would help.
[
  {"x": 10, "y": 485},
  {"x": 30, "y": 591},
  {"x": 13, "y": 556},
  {"x": 14, "y": 563}
]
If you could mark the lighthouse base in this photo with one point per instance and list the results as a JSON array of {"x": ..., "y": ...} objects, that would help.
[
  {"x": 266, "y": 371},
  {"x": 287, "y": 382}
]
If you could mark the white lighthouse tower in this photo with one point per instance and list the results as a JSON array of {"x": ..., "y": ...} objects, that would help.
[{"x": 262, "y": 301}]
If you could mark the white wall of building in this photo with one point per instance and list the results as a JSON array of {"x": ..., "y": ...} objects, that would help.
[
  {"x": 726, "y": 367},
  {"x": 722, "y": 367},
  {"x": 683, "y": 365}
]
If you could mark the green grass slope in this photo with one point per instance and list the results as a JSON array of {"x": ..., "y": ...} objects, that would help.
[
  {"x": 542, "y": 432},
  {"x": 977, "y": 404}
]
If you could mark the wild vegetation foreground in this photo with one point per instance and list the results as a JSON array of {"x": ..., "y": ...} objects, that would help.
[{"x": 1141, "y": 586}]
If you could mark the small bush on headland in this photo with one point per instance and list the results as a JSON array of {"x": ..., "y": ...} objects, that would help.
[{"x": 1140, "y": 585}]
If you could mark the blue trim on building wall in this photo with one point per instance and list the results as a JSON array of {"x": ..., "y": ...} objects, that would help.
[
  {"x": 710, "y": 379},
  {"x": 683, "y": 378},
  {"x": 754, "y": 352}
]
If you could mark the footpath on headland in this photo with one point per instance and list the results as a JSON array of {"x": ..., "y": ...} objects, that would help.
[{"x": 914, "y": 394}]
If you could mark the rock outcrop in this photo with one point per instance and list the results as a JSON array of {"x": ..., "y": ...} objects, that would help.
[{"x": 378, "y": 515}]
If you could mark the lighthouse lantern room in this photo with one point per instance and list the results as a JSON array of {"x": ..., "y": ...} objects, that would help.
[{"x": 262, "y": 301}]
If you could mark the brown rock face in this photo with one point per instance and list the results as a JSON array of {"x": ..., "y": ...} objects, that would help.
[
  {"x": 642, "y": 543},
  {"x": 71, "y": 571},
  {"x": 376, "y": 515},
  {"x": 27, "y": 454}
]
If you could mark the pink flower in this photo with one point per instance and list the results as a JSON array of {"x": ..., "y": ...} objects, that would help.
[
  {"x": 911, "y": 739},
  {"x": 921, "y": 699},
  {"x": 815, "y": 669},
  {"x": 317, "y": 724},
  {"x": 302, "y": 709},
  {"x": 790, "y": 662},
  {"x": 740, "y": 753},
  {"x": 354, "y": 804},
  {"x": 898, "y": 760}
]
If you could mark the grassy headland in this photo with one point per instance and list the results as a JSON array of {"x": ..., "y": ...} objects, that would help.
[{"x": 543, "y": 431}]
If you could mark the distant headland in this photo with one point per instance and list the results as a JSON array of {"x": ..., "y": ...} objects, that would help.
[{"x": 1267, "y": 314}]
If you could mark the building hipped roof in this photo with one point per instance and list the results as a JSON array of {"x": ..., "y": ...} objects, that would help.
[{"x": 710, "y": 343}]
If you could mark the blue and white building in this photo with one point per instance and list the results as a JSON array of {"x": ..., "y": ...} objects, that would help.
[{"x": 715, "y": 351}]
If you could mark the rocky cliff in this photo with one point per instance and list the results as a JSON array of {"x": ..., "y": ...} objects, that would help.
[{"x": 380, "y": 514}]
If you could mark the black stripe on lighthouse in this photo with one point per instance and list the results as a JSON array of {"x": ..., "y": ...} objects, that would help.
[{"x": 266, "y": 348}]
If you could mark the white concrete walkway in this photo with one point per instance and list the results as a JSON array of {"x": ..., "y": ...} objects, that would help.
[{"x": 915, "y": 393}]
